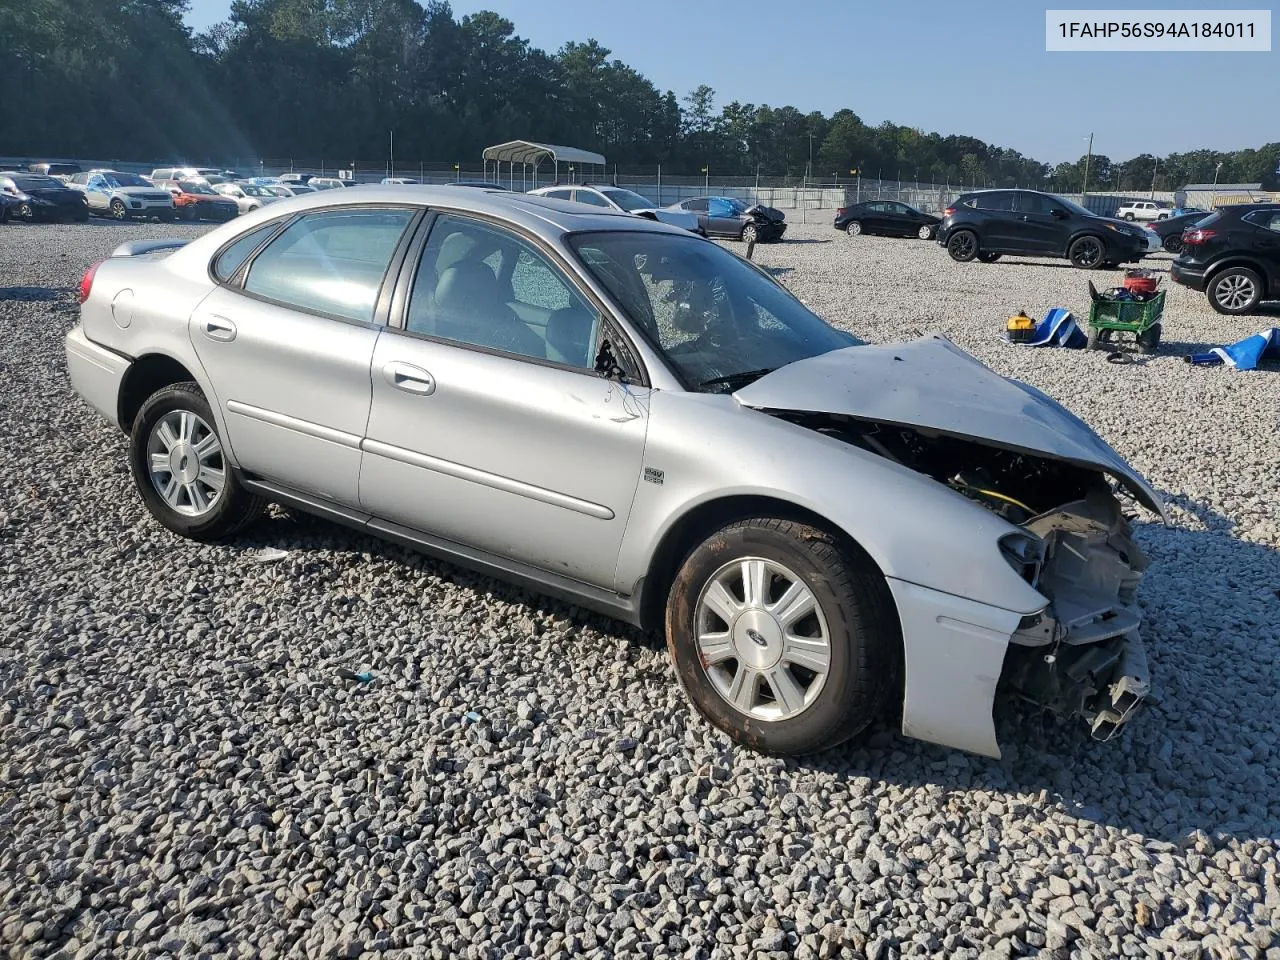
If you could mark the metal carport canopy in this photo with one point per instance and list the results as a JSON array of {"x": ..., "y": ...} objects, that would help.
[{"x": 525, "y": 151}]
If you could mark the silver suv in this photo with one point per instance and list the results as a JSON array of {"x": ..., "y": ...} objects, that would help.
[
  {"x": 615, "y": 412},
  {"x": 121, "y": 196}
]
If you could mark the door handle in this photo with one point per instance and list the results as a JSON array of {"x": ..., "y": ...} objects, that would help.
[
  {"x": 407, "y": 377},
  {"x": 220, "y": 328}
]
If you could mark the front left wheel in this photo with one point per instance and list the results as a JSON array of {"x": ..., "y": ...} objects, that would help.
[
  {"x": 925, "y": 232},
  {"x": 1087, "y": 253},
  {"x": 750, "y": 234},
  {"x": 181, "y": 471},
  {"x": 782, "y": 636},
  {"x": 118, "y": 210}
]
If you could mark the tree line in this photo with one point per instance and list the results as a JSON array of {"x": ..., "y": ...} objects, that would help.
[{"x": 313, "y": 79}]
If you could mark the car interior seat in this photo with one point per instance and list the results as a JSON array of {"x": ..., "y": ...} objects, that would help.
[
  {"x": 570, "y": 334},
  {"x": 469, "y": 307}
]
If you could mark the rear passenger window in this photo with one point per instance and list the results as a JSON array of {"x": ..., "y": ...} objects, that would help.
[
  {"x": 1001, "y": 200},
  {"x": 589, "y": 196},
  {"x": 234, "y": 256},
  {"x": 331, "y": 262}
]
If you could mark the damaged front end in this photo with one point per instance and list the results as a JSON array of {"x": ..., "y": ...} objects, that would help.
[{"x": 1082, "y": 655}]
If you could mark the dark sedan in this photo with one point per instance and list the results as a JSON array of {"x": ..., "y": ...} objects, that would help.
[
  {"x": 1170, "y": 229},
  {"x": 732, "y": 218},
  {"x": 43, "y": 198},
  {"x": 887, "y": 217}
]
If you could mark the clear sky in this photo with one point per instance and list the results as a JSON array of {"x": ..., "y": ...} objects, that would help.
[{"x": 978, "y": 69}]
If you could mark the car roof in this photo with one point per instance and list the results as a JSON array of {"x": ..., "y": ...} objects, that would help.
[{"x": 543, "y": 216}]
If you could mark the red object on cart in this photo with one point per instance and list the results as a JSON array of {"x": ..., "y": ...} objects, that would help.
[{"x": 1140, "y": 281}]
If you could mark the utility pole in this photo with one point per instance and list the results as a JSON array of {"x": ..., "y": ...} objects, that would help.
[
  {"x": 1084, "y": 187},
  {"x": 1216, "y": 171},
  {"x": 391, "y": 172},
  {"x": 1153, "y": 178}
]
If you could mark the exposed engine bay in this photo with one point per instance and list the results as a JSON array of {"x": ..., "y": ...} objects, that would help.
[{"x": 1082, "y": 655}]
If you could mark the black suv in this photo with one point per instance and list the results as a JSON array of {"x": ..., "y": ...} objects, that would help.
[
  {"x": 1233, "y": 256},
  {"x": 988, "y": 223}
]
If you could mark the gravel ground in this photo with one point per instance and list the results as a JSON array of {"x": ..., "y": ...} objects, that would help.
[{"x": 183, "y": 772}]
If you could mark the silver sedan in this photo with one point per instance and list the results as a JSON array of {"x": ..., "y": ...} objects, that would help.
[{"x": 622, "y": 414}]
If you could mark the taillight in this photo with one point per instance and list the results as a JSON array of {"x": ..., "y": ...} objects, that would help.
[
  {"x": 841, "y": 211},
  {"x": 1193, "y": 238},
  {"x": 949, "y": 211},
  {"x": 86, "y": 282}
]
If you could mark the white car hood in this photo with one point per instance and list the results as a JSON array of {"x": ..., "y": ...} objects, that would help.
[
  {"x": 932, "y": 384},
  {"x": 140, "y": 191}
]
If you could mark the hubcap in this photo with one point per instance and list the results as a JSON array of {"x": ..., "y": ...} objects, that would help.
[
  {"x": 762, "y": 639},
  {"x": 185, "y": 463},
  {"x": 855, "y": 228},
  {"x": 925, "y": 232},
  {"x": 1235, "y": 292}
]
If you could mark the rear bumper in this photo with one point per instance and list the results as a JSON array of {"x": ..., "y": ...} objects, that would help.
[
  {"x": 96, "y": 373},
  {"x": 1187, "y": 276}
]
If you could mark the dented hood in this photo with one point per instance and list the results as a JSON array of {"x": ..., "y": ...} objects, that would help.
[{"x": 933, "y": 385}]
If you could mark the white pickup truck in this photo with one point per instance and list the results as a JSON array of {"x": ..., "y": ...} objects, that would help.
[{"x": 1145, "y": 210}]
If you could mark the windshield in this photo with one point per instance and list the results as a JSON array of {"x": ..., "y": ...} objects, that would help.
[
  {"x": 203, "y": 189},
  {"x": 1075, "y": 207},
  {"x": 125, "y": 180},
  {"x": 718, "y": 320},
  {"x": 38, "y": 183},
  {"x": 627, "y": 200}
]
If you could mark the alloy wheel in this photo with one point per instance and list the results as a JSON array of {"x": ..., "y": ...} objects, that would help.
[
  {"x": 853, "y": 229},
  {"x": 185, "y": 463},
  {"x": 925, "y": 232},
  {"x": 762, "y": 639},
  {"x": 1234, "y": 292}
]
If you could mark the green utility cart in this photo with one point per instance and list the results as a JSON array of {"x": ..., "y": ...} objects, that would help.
[{"x": 1110, "y": 318}]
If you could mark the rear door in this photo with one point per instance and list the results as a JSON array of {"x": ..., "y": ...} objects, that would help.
[
  {"x": 700, "y": 208},
  {"x": 1001, "y": 231},
  {"x": 489, "y": 433},
  {"x": 1265, "y": 240},
  {"x": 287, "y": 338}
]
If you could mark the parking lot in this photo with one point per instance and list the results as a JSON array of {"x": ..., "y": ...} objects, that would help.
[{"x": 183, "y": 770}]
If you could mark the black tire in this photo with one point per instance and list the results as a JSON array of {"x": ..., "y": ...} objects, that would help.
[
  {"x": 25, "y": 212},
  {"x": 233, "y": 509},
  {"x": 1234, "y": 291},
  {"x": 853, "y": 228},
  {"x": 926, "y": 231},
  {"x": 1172, "y": 243},
  {"x": 118, "y": 210},
  {"x": 988, "y": 257},
  {"x": 750, "y": 234},
  {"x": 963, "y": 246},
  {"x": 1095, "y": 339},
  {"x": 1087, "y": 252},
  {"x": 865, "y": 642},
  {"x": 1149, "y": 340},
  {"x": 1129, "y": 217}
]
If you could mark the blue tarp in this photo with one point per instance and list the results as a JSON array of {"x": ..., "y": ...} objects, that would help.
[
  {"x": 1243, "y": 355},
  {"x": 1057, "y": 329}
]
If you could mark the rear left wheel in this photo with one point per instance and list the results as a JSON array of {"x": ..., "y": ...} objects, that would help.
[
  {"x": 853, "y": 228},
  {"x": 180, "y": 470},
  {"x": 782, "y": 637},
  {"x": 750, "y": 234},
  {"x": 1235, "y": 290}
]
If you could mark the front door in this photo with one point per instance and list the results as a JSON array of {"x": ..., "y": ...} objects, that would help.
[
  {"x": 287, "y": 341},
  {"x": 489, "y": 425},
  {"x": 1042, "y": 231}
]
